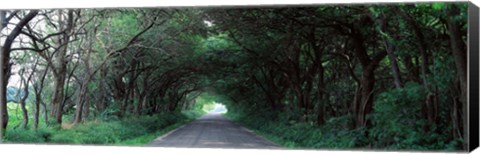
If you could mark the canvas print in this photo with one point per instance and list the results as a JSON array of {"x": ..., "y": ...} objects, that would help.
[{"x": 337, "y": 76}]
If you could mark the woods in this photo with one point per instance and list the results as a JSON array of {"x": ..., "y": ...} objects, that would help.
[{"x": 333, "y": 76}]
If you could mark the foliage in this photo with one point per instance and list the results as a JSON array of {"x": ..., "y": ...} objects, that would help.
[
  {"x": 302, "y": 135},
  {"x": 396, "y": 118},
  {"x": 132, "y": 131}
]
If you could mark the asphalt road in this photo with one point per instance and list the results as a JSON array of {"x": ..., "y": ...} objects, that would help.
[{"x": 212, "y": 131}]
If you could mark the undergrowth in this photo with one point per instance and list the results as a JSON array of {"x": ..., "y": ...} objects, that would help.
[
  {"x": 401, "y": 131},
  {"x": 302, "y": 135},
  {"x": 128, "y": 131}
]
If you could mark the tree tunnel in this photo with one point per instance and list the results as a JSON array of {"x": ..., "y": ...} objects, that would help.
[{"x": 372, "y": 74}]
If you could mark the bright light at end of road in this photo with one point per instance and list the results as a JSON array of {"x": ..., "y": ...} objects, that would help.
[{"x": 219, "y": 108}]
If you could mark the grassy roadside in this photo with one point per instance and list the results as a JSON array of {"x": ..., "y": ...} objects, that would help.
[
  {"x": 147, "y": 138},
  {"x": 333, "y": 134},
  {"x": 130, "y": 131},
  {"x": 300, "y": 135}
]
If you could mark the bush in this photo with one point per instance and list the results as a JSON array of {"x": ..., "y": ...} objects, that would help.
[
  {"x": 396, "y": 119},
  {"x": 134, "y": 130},
  {"x": 291, "y": 134},
  {"x": 399, "y": 124},
  {"x": 42, "y": 135}
]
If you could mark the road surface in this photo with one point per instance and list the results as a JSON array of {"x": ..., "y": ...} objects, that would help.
[{"x": 212, "y": 131}]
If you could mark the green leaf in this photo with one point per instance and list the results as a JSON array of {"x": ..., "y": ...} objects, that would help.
[{"x": 438, "y": 6}]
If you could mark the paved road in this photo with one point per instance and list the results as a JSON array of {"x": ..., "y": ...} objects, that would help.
[{"x": 212, "y": 131}]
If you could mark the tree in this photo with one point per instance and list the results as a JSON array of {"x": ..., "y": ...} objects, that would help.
[{"x": 5, "y": 61}]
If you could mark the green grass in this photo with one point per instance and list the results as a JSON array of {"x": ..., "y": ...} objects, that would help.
[
  {"x": 128, "y": 131},
  {"x": 145, "y": 139},
  {"x": 333, "y": 135}
]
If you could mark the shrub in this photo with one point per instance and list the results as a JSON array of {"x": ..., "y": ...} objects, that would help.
[
  {"x": 20, "y": 135},
  {"x": 133, "y": 130}
]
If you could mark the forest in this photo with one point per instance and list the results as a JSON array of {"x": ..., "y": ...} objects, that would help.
[{"x": 354, "y": 76}]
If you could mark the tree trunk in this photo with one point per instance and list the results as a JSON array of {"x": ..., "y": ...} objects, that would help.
[
  {"x": 363, "y": 102},
  {"x": 100, "y": 105},
  {"x": 38, "y": 88},
  {"x": 3, "y": 89},
  {"x": 80, "y": 103},
  {"x": 460, "y": 55},
  {"x": 56, "y": 109},
  {"x": 86, "y": 107},
  {"x": 395, "y": 69},
  {"x": 24, "y": 115},
  {"x": 320, "y": 87},
  {"x": 3, "y": 100},
  {"x": 390, "y": 49},
  {"x": 23, "y": 99},
  {"x": 266, "y": 89},
  {"x": 83, "y": 102},
  {"x": 4, "y": 62},
  {"x": 119, "y": 91},
  {"x": 422, "y": 46},
  {"x": 60, "y": 66},
  {"x": 141, "y": 104},
  {"x": 45, "y": 113},
  {"x": 430, "y": 103},
  {"x": 37, "y": 111}
]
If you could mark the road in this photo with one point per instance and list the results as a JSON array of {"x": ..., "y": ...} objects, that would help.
[{"x": 213, "y": 131}]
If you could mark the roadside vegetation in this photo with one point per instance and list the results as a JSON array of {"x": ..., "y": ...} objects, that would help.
[{"x": 132, "y": 131}]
